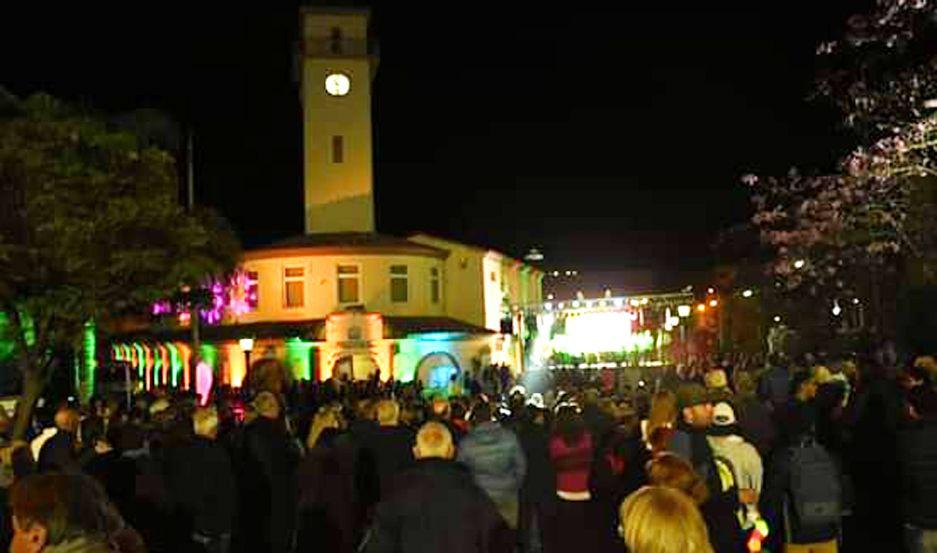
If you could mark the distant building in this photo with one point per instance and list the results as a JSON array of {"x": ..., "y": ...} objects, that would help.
[{"x": 342, "y": 299}]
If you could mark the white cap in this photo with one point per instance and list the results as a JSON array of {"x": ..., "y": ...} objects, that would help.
[
  {"x": 536, "y": 400},
  {"x": 723, "y": 414}
]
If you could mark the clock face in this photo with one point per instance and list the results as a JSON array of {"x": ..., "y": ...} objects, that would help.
[{"x": 337, "y": 84}]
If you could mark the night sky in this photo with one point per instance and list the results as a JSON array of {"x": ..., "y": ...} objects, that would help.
[{"x": 611, "y": 138}]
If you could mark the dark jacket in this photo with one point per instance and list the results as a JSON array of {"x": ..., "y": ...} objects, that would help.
[
  {"x": 388, "y": 450},
  {"x": 917, "y": 458},
  {"x": 327, "y": 514},
  {"x": 434, "y": 507},
  {"x": 756, "y": 423},
  {"x": 201, "y": 480},
  {"x": 58, "y": 454},
  {"x": 267, "y": 476},
  {"x": 496, "y": 459},
  {"x": 540, "y": 480}
]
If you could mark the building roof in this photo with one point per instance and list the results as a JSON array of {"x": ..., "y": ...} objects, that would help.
[
  {"x": 401, "y": 327},
  {"x": 367, "y": 243},
  {"x": 310, "y": 329},
  {"x": 480, "y": 249}
]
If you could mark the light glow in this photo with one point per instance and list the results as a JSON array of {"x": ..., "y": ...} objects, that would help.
[
  {"x": 595, "y": 332},
  {"x": 683, "y": 310},
  {"x": 747, "y": 293},
  {"x": 203, "y": 381}
]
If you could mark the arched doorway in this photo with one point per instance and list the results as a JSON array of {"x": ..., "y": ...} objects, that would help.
[
  {"x": 436, "y": 370},
  {"x": 358, "y": 366}
]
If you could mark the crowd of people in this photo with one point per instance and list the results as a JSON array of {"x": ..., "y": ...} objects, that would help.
[{"x": 799, "y": 455}]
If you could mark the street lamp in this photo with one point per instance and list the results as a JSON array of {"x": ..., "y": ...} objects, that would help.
[
  {"x": 799, "y": 264},
  {"x": 747, "y": 293},
  {"x": 836, "y": 308},
  {"x": 683, "y": 311},
  {"x": 247, "y": 345},
  {"x": 713, "y": 303}
]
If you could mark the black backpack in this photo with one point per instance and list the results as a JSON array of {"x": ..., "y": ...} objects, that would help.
[{"x": 814, "y": 486}]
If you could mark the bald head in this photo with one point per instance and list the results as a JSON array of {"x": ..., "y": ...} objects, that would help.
[
  {"x": 433, "y": 440},
  {"x": 67, "y": 420}
]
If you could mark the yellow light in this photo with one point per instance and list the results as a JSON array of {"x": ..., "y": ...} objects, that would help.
[
  {"x": 701, "y": 307},
  {"x": 713, "y": 303},
  {"x": 683, "y": 310}
]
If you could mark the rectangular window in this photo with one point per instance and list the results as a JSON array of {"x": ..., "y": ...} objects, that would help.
[
  {"x": 349, "y": 284},
  {"x": 398, "y": 283},
  {"x": 434, "y": 285},
  {"x": 251, "y": 292},
  {"x": 294, "y": 284},
  {"x": 338, "y": 149}
]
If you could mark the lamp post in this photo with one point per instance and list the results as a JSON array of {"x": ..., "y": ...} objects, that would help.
[
  {"x": 247, "y": 345},
  {"x": 684, "y": 311}
]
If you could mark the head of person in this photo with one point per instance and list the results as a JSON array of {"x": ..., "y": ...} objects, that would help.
[
  {"x": 658, "y": 519},
  {"x": 803, "y": 386},
  {"x": 440, "y": 408},
  {"x": 205, "y": 422},
  {"x": 67, "y": 420},
  {"x": 569, "y": 424},
  {"x": 52, "y": 509},
  {"x": 724, "y": 422},
  {"x": 481, "y": 413},
  {"x": 696, "y": 405},
  {"x": 923, "y": 403},
  {"x": 388, "y": 412},
  {"x": 672, "y": 471},
  {"x": 267, "y": 405},
  {"x": 716, "y": 379},
  {"x": 433, "y": 440},
  {"x": 744, "y": 384},
  {"x": 326, "y": 418},
  {"x": 663, "y": 411}
]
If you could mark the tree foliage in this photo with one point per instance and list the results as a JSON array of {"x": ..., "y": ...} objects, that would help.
[
  {"x": 877, "y": 208},
  {"x": 90, "y": 228}
]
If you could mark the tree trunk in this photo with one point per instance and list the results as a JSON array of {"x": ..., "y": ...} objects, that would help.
[{"x": 33, "y": 385}]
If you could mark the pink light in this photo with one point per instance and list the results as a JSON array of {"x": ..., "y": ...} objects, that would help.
[{"x": 203, "y": 381}]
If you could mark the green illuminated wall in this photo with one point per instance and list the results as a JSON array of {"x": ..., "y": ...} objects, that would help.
[{"x": 299, "y": 356}]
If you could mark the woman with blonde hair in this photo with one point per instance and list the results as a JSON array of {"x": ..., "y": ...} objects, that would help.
[
  {"x": 658, "y": 519},
  {"x": 326, "y": 487},
  {"x": 671, "y": 471},
  {"x": 661, "y": 422},
  {"x": 326, "y": 417}
]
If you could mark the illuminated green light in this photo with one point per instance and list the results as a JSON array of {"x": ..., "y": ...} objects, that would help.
[
  {"x": 175, "y": 364},
  {"x": 139, "y": 359},
  {"x": 157, "y": 364},
  {"x": 209, "y": 354},
  {"x": 90, "y": 365},
  {"x": 299, "y": 358}
]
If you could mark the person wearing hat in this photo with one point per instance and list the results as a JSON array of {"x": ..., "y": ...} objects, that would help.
[
  {"x": 726, "y": 441},
  {"x": 691, "y": 442}
]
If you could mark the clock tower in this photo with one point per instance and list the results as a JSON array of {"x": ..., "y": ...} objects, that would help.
[{"x": 336, "y": 64}]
